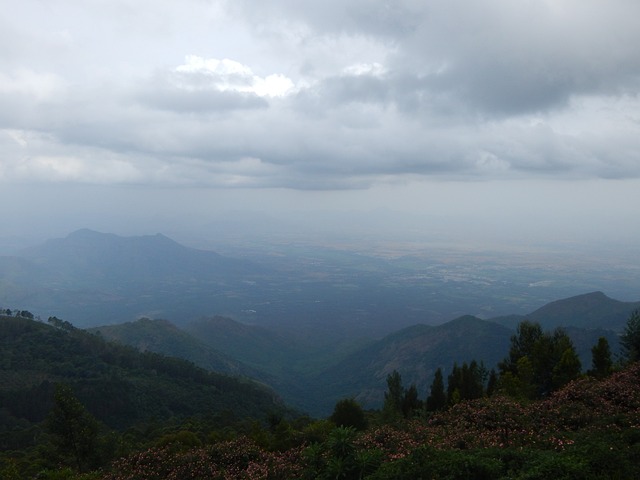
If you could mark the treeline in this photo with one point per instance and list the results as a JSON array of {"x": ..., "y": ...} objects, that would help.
[
  {"x": 538, "y": 364},
  {"x": 18, "y": 313}
]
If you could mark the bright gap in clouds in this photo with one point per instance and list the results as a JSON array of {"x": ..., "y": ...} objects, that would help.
[{"x": 229, "y": 75}]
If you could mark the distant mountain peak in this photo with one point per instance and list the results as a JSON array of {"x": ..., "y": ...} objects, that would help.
[
  {"x": 83, "y": 232},
  {"x": 588, "y": 310},
  {"x": 465, "y": 320},
  {"x": 88, "y": 234},
  {"x": 597, "y": 295}
]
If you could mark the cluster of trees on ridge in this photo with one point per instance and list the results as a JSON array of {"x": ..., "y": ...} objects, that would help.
[
  {"x": 406, "y": 439},
  {"x": 538, "y": 364},
  {"x": 18, "y": 313}
]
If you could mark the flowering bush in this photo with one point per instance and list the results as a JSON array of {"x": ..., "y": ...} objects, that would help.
[
  {"x": 237, "y": 459},
  {"x": 588, "y": 430}
]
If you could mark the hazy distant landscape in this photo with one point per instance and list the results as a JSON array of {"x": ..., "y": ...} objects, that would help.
[
  {"x": 317, "y": 323},
  {"x": 92, "y": 279}
]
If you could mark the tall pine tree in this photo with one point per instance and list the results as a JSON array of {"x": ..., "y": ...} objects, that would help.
[
  {"x": 630, "y": 339},
  {"x": 73, "y": 428},
  {"x": 601, "y": 362},
  {"x": 437, "y": 399}
]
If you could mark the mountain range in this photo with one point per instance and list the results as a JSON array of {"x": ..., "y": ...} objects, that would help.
[
  {"x": 314, "y": 380},
  {"x": 315, "y": 331},
  {"x": 328, "y": 294}
]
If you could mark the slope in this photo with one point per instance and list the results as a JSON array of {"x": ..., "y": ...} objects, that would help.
[
  {"x": 95, "y": 257},
  {"x": 416, "y": 352},
  {"x": 91, "y": 278},
  {"x": 162, "y": 336},
  {"x": 251, "y": 344},
  {"x": 118, "y": 384},
  {"x": 593, "y": 310}
]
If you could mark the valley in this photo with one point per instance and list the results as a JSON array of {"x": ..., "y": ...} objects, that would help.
[{"x": 315, "y": 323}]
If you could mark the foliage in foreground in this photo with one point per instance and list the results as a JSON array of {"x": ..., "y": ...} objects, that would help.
[{"x": 587, "y": 430}]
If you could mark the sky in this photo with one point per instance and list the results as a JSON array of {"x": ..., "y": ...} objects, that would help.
[{"x": 495, "y": 119}]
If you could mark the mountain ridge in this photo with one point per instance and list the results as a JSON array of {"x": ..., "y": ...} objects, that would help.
[
  {"x": 119, "y": 385},
  {"x": 415, "y": 351},
  {"x": 162, "y": 336},
  {"x": 591, "y": 310},
  {"x": 99, "y": 278}
]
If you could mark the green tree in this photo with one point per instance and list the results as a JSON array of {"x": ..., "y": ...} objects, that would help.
[
  {"x": 454, "y": 385},
  {"x": 393, "y": 397},
  {"x": 342, "y": 459},
  {"x": 551, "y": 362},
  {"x": 349, "y": 413},
  {"x": 61, "y": 324},
  {"x": 601, "y": 359},
  {"x": 410, "y": 401},
  {"x": 74, "y": 429},
  {"x": 630, "y": 339},
  {"x": 519, "y": 385},
  {"x": 567, "y": 369},
  {"x": 522, "y": 344},
  {"x": 472, "y": 382},
  {"x": 465, "y": 383},
  {"x": 437, "y": 399},
  {"x": 555, "y": 362}
]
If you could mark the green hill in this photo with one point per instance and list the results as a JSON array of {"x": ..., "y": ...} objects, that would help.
[
  {"x": 592, "y": 310},
  {"x": 119, "y": 385},
  {"x": 416, "y": 352},
  {"x": 162, "y": 336},
  {"x": 251, "y": 344}
]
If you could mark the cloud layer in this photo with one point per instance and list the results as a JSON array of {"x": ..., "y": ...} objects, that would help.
[{"x": 303, "y": 95}]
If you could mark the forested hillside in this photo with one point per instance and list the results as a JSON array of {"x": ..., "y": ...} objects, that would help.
[
  {"x": 120, "y": 387},
  {"x": 162, "y": 336},
  {"x": 313, "y": 379},
  {"x": 538, "y": 417}
]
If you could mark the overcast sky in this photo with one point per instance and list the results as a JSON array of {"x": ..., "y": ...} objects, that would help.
[{"x": 520, "y": 114}]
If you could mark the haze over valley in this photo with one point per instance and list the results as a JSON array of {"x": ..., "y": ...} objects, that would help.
[{"x": 316, "y": 323}]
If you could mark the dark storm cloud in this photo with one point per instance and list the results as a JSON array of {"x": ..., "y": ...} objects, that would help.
[
  {"x": 508, "y": 58},
  {"x": 494, "y": 56}
]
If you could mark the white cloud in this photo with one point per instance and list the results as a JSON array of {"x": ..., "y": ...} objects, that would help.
[
  {"x": 228, "y": 75},
  {"x": 374, "y": 69},
  {"x": 30, "y": 84}
]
